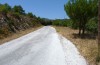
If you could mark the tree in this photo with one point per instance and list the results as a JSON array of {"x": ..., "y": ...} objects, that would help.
[
  {"x": 18, "y": 9},
  {"x": 80, "y": 11},
  {"x": 30, "y": 14},
  {"x": 8, "y": 7},
  {"x": 99, "y": 31},
  {"x": 4, "y": 8}
]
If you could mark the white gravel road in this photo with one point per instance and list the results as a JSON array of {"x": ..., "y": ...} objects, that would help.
[{"x": 42, "y": 47}]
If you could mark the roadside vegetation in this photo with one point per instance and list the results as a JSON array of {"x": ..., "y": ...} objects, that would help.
[
  {"x": 14, "y": 19},
  {"x": 81, "y": 11},
  {"x": 19, "y": 34},
  {"x": 84, "y": 14}
]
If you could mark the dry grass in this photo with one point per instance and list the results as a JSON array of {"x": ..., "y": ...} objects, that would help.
[
  {"x": 87, "y": 47},
  {"x": 18, "y": 34}
]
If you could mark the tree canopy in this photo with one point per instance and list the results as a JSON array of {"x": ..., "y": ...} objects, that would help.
[
  {"x": 18, "y": 9},
  {"x": 80, "y": 11},
  {"x": 4, "y": 8}
]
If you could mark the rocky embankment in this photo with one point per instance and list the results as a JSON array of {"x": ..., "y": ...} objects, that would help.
[{"x": 11, "y": 23}]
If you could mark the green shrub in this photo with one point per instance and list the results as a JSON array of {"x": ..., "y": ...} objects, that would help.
[
  {"x": 92, "y": 25},
  {"x": 34, "y": 23},
  {"x": 66, "y": 23},
  {"x": 4, "y": 32},
  {"x": 16, "y": 15},
  {"x": 1, "y": 31},
  {"x": 60, "y": 22}
]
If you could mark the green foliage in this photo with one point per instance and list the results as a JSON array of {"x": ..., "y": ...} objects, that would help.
[
  {"x": 4, "y": 8},
  {"x": 33, "y": 23},
  {"x": 11, "y": 25},
  {"x": 30, "y": 14},
  {"x": 16, "y": 14},
  {"x": 59, "y": 22},
  {"x": 44, "y": 21},
  {"x": 4, "y": 32},
  {"x": 1, "y": 31},
  {"x": 18, "y": 9},
  {"x": 80, "y": 11},
  {"x": 67, "y": 23},
  {"x": 92, "y": 25}
]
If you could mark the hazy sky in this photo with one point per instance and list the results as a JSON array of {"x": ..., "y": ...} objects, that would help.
[{"x": 52, "y": 9}]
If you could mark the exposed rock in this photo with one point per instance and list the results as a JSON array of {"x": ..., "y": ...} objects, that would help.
[{"x": 14, "y": 23}]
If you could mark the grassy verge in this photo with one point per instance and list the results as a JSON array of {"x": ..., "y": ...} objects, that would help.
[
  {"x": 87, "y": 47},
  {"x": 18, "y": 34}
]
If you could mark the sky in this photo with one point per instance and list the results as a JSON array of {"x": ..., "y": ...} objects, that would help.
[{"x": 51, "y": 9}]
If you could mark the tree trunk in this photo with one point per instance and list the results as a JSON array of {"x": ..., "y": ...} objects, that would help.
[
  {"x": 83, "y": 28},
  {"x": 99, "y": 31},
  {"x": 83, "y": 32},
  {"x": 80, "y": 28},
  {"x": 79, "y": 31}
]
